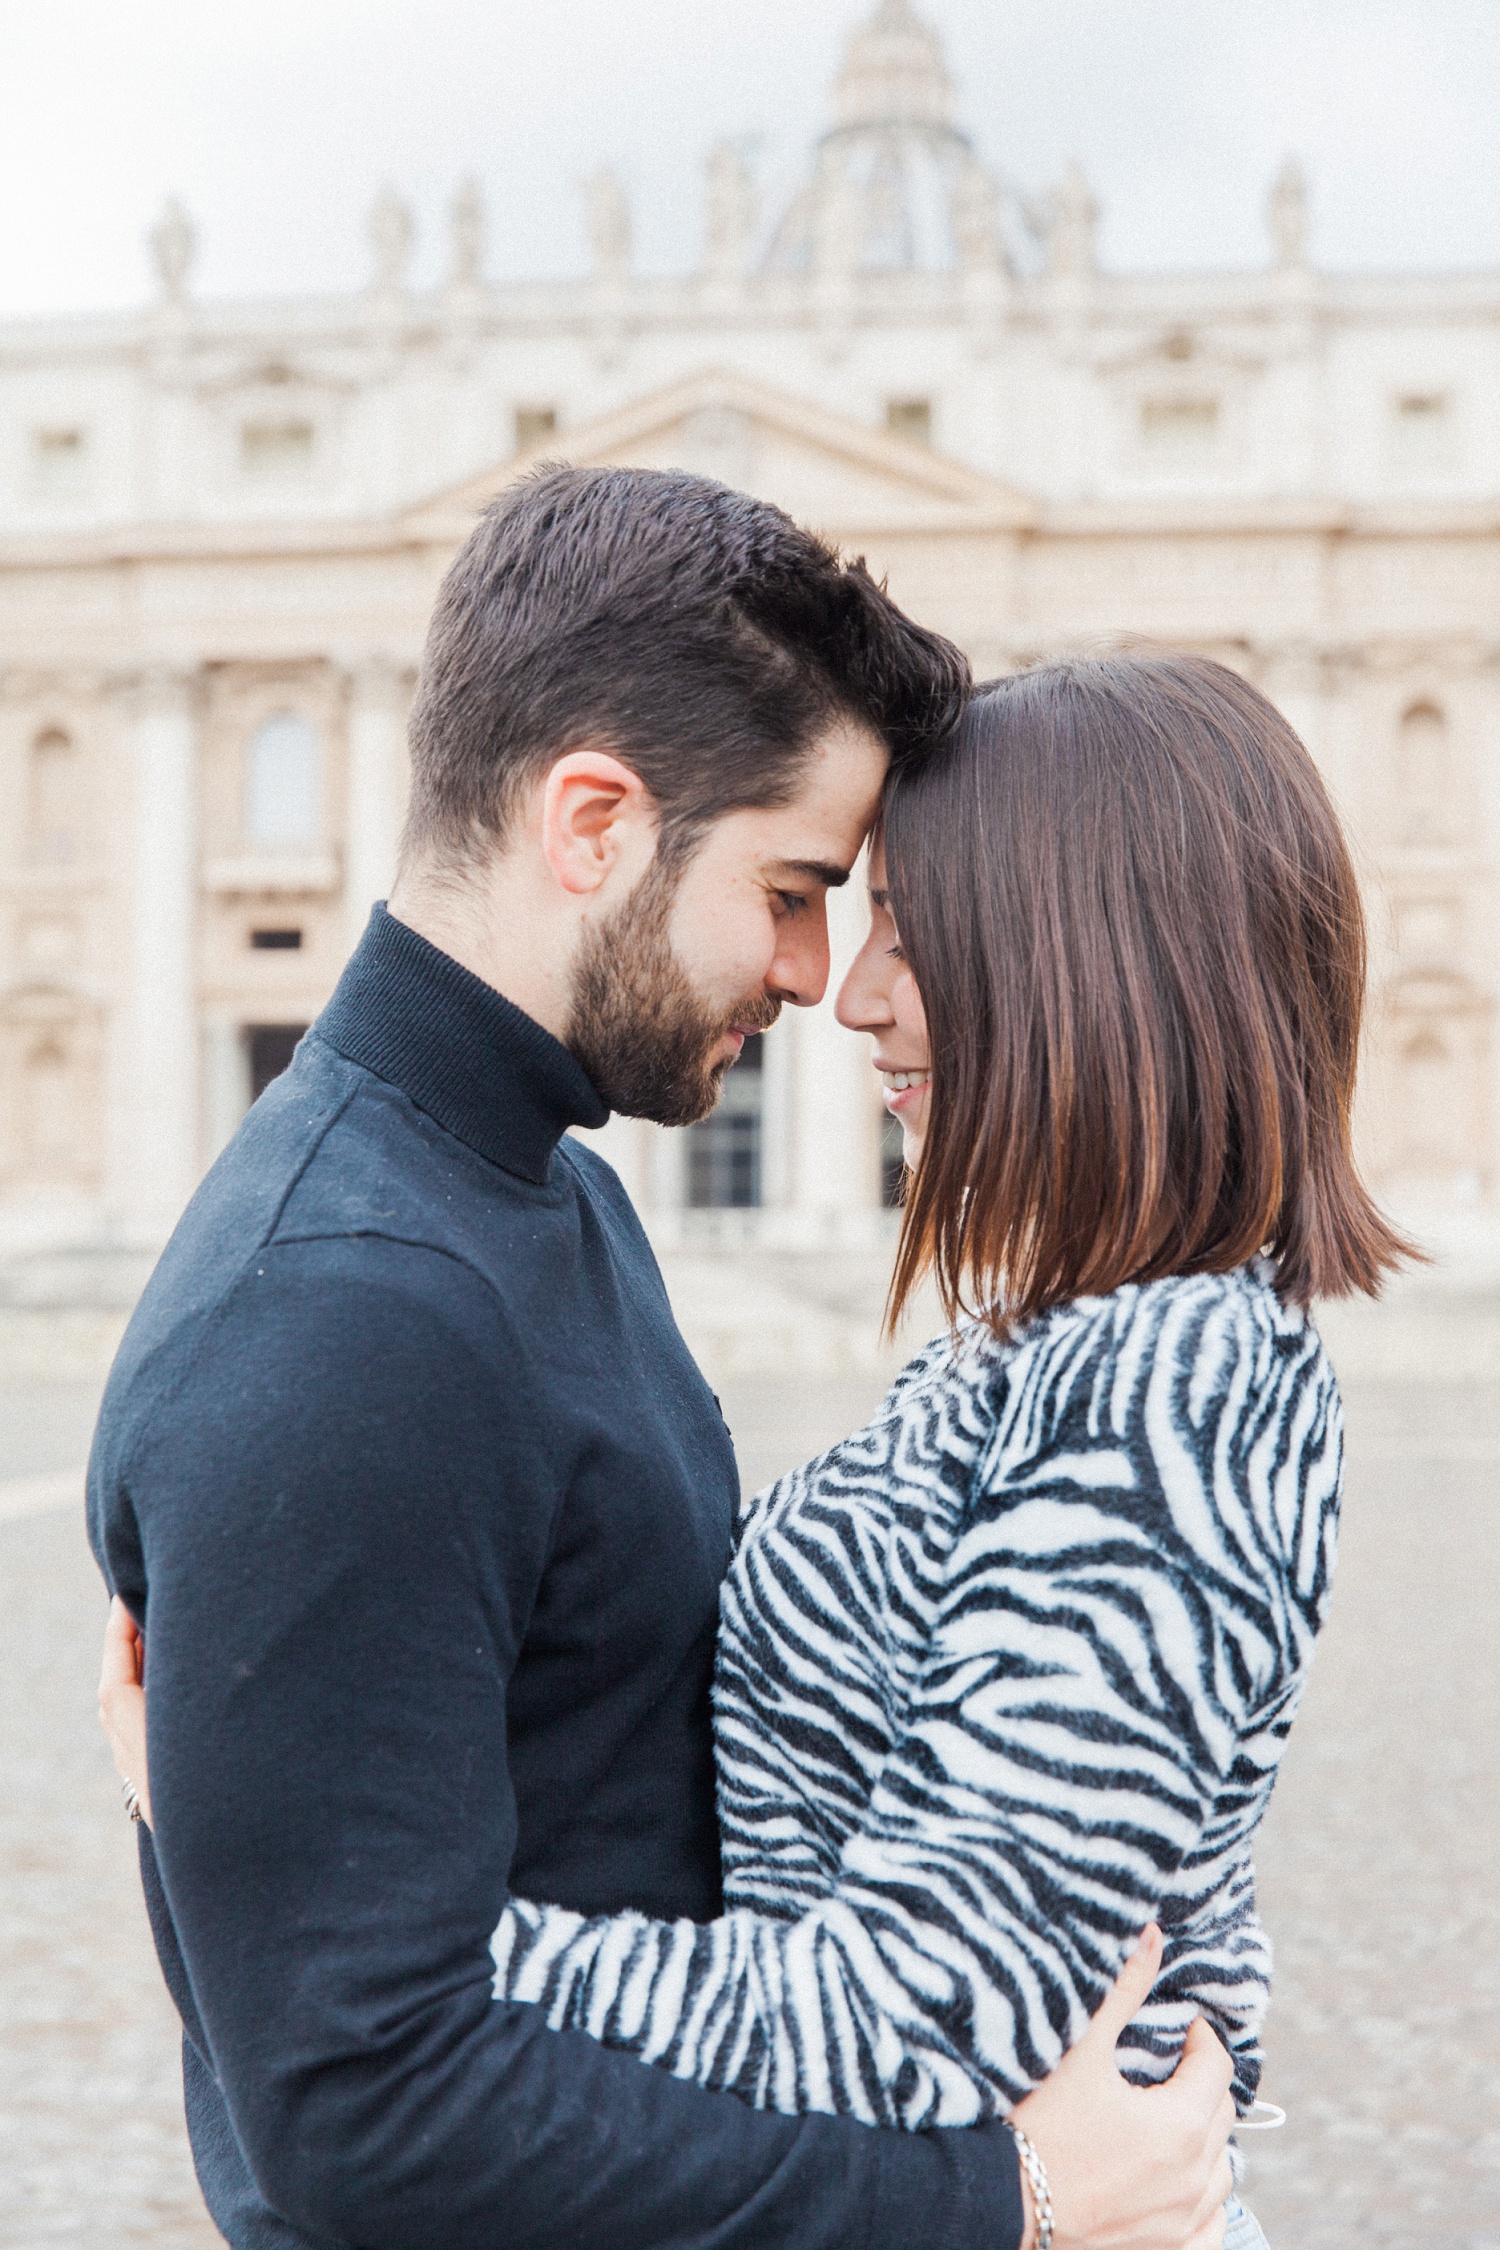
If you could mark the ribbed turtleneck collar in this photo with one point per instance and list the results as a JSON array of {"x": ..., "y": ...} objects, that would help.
[{"x": 467, "y": 1056}]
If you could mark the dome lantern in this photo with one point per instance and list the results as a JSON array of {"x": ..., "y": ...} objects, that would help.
[{"x": 893, "y": 74}]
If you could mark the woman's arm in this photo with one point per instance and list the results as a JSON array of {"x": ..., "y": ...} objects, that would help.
[
  {"x": 980, "y": 1912},
  {"x": 1110, "y": 1619},
  {"x": 122, "y": 1702}
]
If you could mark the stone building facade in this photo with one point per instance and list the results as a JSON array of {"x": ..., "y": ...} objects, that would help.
[{"x": 222, "y": 527}]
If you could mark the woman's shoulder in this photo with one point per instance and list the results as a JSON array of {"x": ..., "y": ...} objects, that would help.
[
  {"x": 958, "y": 1378},
  {"x": 1169, "y": 1322},
  {"x": 1182, "y": 1353},
  {"x": 937, "y": 1366},
  {"x": 1178, "y": 1318}
]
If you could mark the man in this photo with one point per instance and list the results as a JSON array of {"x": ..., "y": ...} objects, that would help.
[{"x": 416, "y": 1493}]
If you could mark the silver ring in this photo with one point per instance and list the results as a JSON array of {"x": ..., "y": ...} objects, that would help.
[{"x": 132, "y": 1797}]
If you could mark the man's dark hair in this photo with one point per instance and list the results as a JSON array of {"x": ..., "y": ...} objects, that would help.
[{"x": 700, "y": 634}]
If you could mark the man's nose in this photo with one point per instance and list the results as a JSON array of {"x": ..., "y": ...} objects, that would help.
[{"x": 799, "y": 973}]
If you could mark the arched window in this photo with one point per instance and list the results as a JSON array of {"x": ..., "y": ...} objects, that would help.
[
  {"x": 50, "y": 1099},
  {"x": 1424, "y": 775},
  {"x": 56, "y": 798},
  {"x": 284, "y": 782}
]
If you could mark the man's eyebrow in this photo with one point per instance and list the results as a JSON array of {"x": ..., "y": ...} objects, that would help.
[{"x": 823, "y": 871}]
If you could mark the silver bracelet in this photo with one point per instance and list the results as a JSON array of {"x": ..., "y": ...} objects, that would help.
[
  {"x": 1261, "y": 2117},
  {"x": 132, "y": 1799},
  {"x": 1036, "y": 2179}
]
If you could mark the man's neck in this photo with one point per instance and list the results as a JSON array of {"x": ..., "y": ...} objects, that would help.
[{"x": 478, "y": 921}]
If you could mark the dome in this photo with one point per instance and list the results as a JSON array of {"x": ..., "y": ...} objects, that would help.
[{"x": 897, "y": 187}]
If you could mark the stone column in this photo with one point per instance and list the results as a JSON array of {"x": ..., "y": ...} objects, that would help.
[
  {"x": 1292, "y": 676},
  {"x": 777, "y": 1117},
  {"x": 158, "y": 1077},
  {"x": 226, "y": 1084},
  {"x": 375, "y": 794}
]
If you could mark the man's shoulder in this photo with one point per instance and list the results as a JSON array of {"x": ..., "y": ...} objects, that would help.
[
  {"x": 332, "y": 1152},
  {"x": 329, "y": 1195},
  {"x": 596, "y": 1179},
  {"x": 381, "y": 1167}
]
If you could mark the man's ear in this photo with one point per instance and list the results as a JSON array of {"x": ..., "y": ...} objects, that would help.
[{"x": 596, "y": 812}]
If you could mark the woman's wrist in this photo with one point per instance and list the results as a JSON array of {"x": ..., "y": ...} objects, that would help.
[{"x": 1036, "y": 2194}]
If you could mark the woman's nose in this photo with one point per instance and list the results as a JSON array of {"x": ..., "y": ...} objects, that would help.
[{"x": 864, "y": 1002}]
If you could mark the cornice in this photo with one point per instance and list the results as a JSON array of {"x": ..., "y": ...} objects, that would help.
[
  {"x": 353, "y": 321},
  {"x": 1248, "y": 517},
  {"x": 125, "y": 545},
  {"x": 432, "y": 532}
]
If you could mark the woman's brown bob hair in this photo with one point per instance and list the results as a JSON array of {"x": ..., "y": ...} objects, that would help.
[{"x": 1133, "y": 920}]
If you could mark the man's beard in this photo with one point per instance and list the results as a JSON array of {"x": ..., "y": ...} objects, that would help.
[{"x": 637, "y": 1026}]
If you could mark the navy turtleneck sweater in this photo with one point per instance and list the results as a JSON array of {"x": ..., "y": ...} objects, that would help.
[{"x": 412, "y": 1483}]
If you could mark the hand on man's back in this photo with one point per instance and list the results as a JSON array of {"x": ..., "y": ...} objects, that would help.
[{"x": 1133, "y": 2168}]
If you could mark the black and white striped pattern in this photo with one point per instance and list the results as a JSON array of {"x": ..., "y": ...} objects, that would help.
[{"x": 1000, "y": 1677}]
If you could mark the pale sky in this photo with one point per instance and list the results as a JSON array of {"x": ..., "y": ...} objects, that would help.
[{"x": 278, "y": 120}]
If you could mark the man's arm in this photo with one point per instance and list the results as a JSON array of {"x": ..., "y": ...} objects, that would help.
[{"x": 331, "y": 1633}]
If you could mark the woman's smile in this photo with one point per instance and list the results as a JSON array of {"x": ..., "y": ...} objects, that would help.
[{"x": 902, "y": 1087}]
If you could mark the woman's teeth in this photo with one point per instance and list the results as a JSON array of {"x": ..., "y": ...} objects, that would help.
[{"x": 897, "y": 1081}]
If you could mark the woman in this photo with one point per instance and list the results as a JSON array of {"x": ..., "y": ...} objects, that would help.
[{"x": 1007, "y": 1675}]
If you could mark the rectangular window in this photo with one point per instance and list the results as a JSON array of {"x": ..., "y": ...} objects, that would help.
[
  {"x": 277, "y": 449},
  {"x": 892, "y": 1163},
  {"x": 1423, "y": 432},
  {"x": 276, "y": 941},
  {"x": 1173, "y": 427},
  {"x": 59, "y": 459},
  {"x": 270, "y": 1047},
  {"x": 724, "y": 1151},
  {"x": 910, "y": 418},
  {"x": 534, "y": 425}
]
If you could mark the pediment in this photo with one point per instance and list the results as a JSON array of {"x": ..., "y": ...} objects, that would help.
[
  {"x": 271, "y": 381},
  {"x": 1180, "y": 360},
  {"x": 827, "y": 471}
]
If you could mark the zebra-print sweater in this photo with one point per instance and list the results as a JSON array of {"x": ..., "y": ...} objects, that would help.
[{"x": 1000, "y": 1677}]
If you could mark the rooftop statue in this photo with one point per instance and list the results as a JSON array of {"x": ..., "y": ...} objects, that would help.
[
  {"x": 974, "y": 212},
  {"x": 1286, "y": 215},
  {"x": 174, "y": 246},
  {"x": 392, "y": 231},
  {"x": 1068, "y": 222},
  {"x": 608, "y": 223},
  {"x": 466, "y": 229},
  {"x": 732, "y": 211}
]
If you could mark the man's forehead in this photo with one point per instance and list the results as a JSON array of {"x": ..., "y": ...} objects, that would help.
[
  {"x": 837, "y": 794},
  {"x": 847, "y": 754}
]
